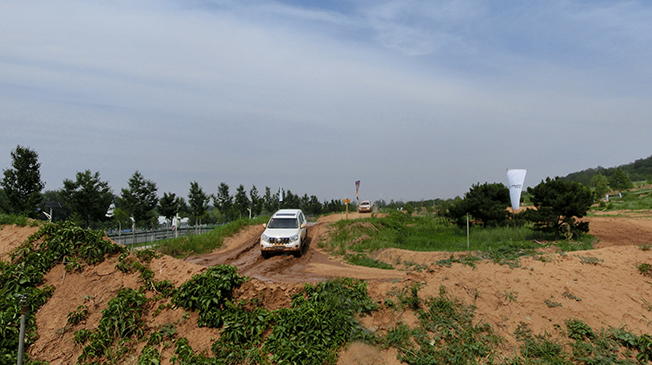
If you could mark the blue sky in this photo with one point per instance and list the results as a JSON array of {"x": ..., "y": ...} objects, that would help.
[{"x": 417, "y": 99}]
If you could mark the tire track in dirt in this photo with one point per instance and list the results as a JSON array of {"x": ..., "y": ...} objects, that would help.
[{"x": 244, "y": 253}]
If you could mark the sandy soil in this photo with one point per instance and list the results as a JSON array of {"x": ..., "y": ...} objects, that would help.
[{"x": 612, "y": 292}]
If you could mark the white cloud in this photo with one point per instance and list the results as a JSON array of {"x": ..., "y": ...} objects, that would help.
[{"x": 211, "y": 89}]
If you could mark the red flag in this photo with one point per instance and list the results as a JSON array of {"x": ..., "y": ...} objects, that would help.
[{"x": 357, "y": 187}]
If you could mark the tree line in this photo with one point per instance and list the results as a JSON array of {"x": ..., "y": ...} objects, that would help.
[
  {"x": 639, "y": 170},
  {"x": 90, "y": 202}
]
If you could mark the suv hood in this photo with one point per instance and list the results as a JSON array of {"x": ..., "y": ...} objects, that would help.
[{"x": 281, "y": 232}]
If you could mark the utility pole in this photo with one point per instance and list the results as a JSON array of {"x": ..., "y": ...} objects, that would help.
[{"x": 23, "y": 315}]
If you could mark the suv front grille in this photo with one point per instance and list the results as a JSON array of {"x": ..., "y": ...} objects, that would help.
[{"x": 279, "y": 240}]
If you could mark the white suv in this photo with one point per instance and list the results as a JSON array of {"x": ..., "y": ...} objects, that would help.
[{"x": 285, "y": 232}]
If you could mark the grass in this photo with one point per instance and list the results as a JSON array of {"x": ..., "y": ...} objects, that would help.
[
  {"x": 635, "y": 199},
  {"x": 18, "y": 220},
  {"x": 205, "y": 242},
  {"x": 504, "y": 245},
  {"x": 361, "y": 259}
]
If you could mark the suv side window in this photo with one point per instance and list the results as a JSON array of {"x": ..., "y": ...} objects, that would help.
[{"x": 302, "y": 219}]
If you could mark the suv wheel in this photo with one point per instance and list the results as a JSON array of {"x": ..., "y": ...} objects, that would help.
[{"x": 265, "y": 254}]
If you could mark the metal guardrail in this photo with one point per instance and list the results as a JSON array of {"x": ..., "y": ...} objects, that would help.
[{"x": 128, "y": 238}]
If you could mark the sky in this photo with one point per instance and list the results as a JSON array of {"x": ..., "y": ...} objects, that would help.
[{"x": 416, "y": 99}]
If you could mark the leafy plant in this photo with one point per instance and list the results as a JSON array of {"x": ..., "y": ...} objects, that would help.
[
  {"x": 208, "y": 292},
  {"x": 645, "y": 269},
  {"x": 447, "y": 335},
  {"x": 52, "y": 244},
  {"x": 78, "y": 315},
  {"x": 120, "y": 320},
  {"x": 551, "y": 303},
  {"x": 571, "y": 296},
  {"x": 319, "y": 322}
]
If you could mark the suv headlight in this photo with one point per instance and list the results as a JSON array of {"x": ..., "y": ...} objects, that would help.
[
  {"x": 294, "y": 237},
  {"x": 264, "y": 238}
]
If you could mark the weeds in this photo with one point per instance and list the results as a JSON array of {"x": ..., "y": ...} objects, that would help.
[
  {"x": 468, "y": 260},
  {"x": 446, "y": 335},
  {"x": 645, "y": 269},
  {"x": 18, "y": 220},
  {"x": 363, "y": 260},
  {"x": 510, "y": 296},
  {"x": 590, "y": 260},
  {"x": 571, "y": 296},
  {"x": 78, "y": 315},
  {"x": 552, "y": 304},
  {"x": 208, "y": 292},
  {"x": 120, "y": 321},
  {"x": 52, "y": 244},
  {"x": 406, "y": 300}
]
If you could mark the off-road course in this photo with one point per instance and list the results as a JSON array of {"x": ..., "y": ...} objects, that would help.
[{"x": 607, "y": 291}]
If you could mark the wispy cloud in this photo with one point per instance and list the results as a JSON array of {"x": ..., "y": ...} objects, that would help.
[{"x": 378, "y": 90}]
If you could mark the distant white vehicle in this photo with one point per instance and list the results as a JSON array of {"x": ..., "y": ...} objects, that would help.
[
  {"x": 364, "y": 207},
  {"x": 285, "y": 232}
]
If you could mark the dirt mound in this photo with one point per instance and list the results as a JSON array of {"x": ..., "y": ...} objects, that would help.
[
  {"x": 601, "y": 287},
  {"x": 12, "y": 236}
]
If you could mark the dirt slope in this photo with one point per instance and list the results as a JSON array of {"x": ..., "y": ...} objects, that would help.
[{"x": 605, "y": 284}]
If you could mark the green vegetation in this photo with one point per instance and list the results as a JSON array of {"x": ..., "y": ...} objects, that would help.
[
  {"x": 18, "y": 220},
  {"x": 636, "y": 199},
  {"x": 587, "y": 346},
  {"x": 557, "y": 204},
  {"x": 639, "y": 170},
  {"x": 486, "y": 204},
  {"x": 361, "y": 259},
  {"x": 446, "y": 335},
  {"x": 202, "y": 243},
  {"x": 88, "y": 197},
  {"x": 319, "y": 322},
  {"x": 21, "y": 184},
  {"x": 504, "y": 245},
  {"x": 52, "y": 244},
  {"x": 312, "y": 331}
]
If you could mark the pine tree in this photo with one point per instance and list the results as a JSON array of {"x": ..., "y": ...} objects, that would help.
[{"x": 22, "y": 183}]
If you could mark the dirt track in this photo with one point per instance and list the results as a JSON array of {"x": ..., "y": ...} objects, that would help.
[
  {"x": 314, "y": 265},
  {"x": 242, "y": 251}
]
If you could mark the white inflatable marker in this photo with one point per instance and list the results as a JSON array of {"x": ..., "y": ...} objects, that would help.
[{"x": 515, "y": 179}]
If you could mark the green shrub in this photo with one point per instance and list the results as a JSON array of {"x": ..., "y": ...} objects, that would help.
[
  {"x": 52, "y": 244},
  {"x": 208, "y": 292}
]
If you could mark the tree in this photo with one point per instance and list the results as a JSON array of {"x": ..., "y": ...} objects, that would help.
[
  {"x": 601, "y": 185},
  {"x": 223, "y": 201},
  {"x": 22, "y": 183},
  {"x": 620, "y": 181},
  {"x": 241, "y": 203},
  {"x": 271, "y": 203},
  {"x": 557, "y": 203},
  {"x": 256, "y": 201},
  {"x": 486, "y": 204},
  {"x": 140, "y": 199},
  {"x": 314, "y": 207},
  {"x": 290, "y": 200},
  {"x": 198, "y": 202},
  {"x": 169, "y": 205},
  {"x": 88, "y": 197}
]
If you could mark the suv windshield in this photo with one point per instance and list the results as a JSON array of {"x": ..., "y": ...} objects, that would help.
[{"x": 283, "y": 223}]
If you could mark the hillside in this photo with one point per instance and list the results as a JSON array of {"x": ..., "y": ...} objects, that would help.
[
  {"x": 639, "y": 170},
  {"x": 602, "y": 287}
]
